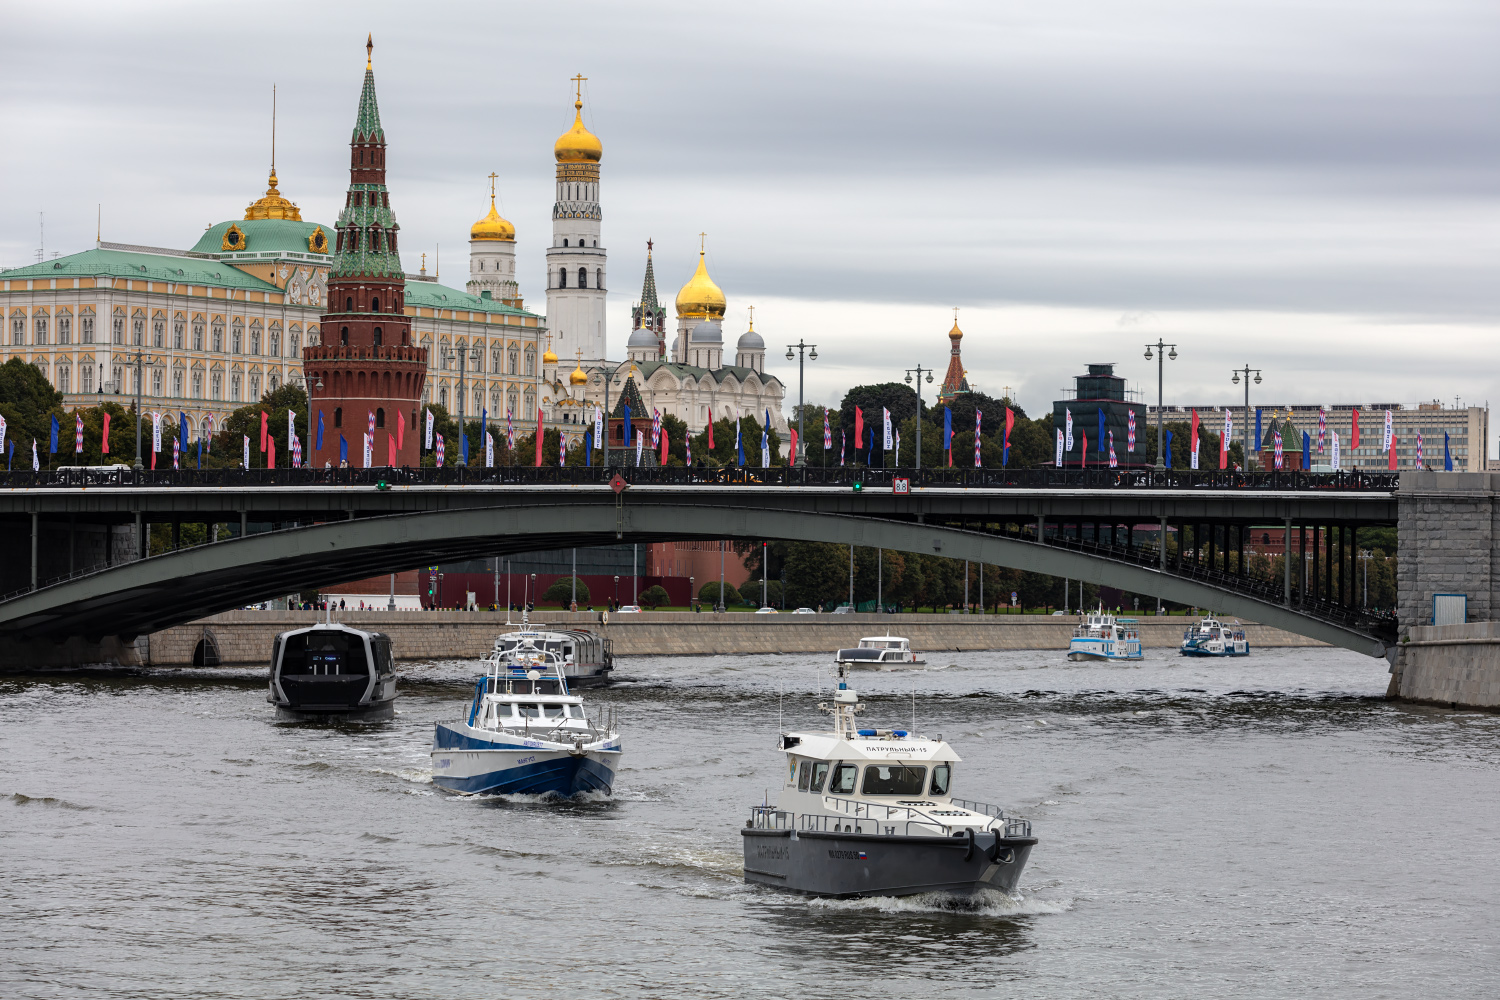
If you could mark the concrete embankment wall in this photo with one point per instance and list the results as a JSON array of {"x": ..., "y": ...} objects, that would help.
[
  {"x": 244, "y": 637},
  {"x": 1453, "y": 665}
]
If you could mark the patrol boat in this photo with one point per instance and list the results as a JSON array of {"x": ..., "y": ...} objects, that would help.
[
  {"x": 881, "y": 651},
  {"x": 1211, "y": 637},
  {"x": 329, "y": 671},
  {"x": 525, "y": 733},
  {"x": 871, "y": 812},
  {"x": 587, "y": 658},
  {"x": 1099, "y": 635}
]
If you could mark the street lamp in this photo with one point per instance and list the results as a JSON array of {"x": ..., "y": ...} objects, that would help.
[
  {"x": 297, "y": 380},
  {"x": 1364, "y": 557},
  {"x": 918, "y": 384},
  {"x": 1247, "y": 370},
  {"x": 141, "y": 360},
  {"x": 473, "y": 354},
  {"x": 617, "y": 590},
  {"x": 811, "y": 353},
  {"x": 1161, "y": 357}
]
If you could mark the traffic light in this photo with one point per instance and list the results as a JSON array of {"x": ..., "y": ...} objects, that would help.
[
  {"x": 858, "y": 486},
  {"x": 382, "y": 485}
]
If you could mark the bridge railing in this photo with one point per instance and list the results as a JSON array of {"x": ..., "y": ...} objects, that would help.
[{"x": 815, "y": 476}]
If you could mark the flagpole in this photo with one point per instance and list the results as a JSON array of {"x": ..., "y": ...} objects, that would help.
[{"x": 917, "y": 462}]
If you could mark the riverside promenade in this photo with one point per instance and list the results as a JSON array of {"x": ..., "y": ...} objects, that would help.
[{"x": 244, "y": 637}]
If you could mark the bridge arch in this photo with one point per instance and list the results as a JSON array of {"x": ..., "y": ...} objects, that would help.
[{"x": 182, "y": 586}]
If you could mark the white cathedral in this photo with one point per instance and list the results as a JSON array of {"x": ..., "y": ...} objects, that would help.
[{"x": 692, "y": 381}]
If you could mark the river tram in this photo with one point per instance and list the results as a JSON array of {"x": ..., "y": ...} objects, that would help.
[
  {"x": 1099, "y": 635},
  {"x": 587, "y": 658},
  {"x": 870, "y": 812},
  {"x": 1211, "y": 637},
  {"x": 331, "y": 671},
  {"x": 881, "y": 651},
  {"x": 526, "y": 733}
]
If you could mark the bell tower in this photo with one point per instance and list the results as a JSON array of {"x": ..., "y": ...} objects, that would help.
[
  {"x": 367, "y": 363},
  {"x": 576, "y": 263}
]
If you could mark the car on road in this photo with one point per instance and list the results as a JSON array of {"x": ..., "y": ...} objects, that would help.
[
  {"x": 766, "y": 611},
  {"x": 629, "y": 609},
  {"x": 804, "y": 611},
  {"x": 843, "y": 609}
]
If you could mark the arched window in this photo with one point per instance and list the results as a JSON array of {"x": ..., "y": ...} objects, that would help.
[
  {"x": 217, "y": 383},
  {"x": 1265, "y": 538},
  {"x": 515, "y": 361},
  {"x": 178, "y": 328},
  {"x": 177, "y": 382},
  {"x": 291, "y": 341},
  {"x": 565, "y": 242},
  {"x": 86, "y": 331},
  {"x": 375, "y": 304},
  {"x": 255, "y": 340},
  {"x": 338, "y": 416},
  {"x": 478, "y": 400},
  {"x": 379, "y": 416},
  {"x": 197, "y": 333},
  {"x": 349, "y": 304},
  {"x": 344, "y": 335},
  {"x": 583, "y": 278},
  {"x": 562, "y": 278},
  {"x": 379, "y": 337},
  {"x": 443, "y": 396},
  {"x": 138, "y": 331},
  {"x": 41, "y": 329},
  {"x": 159, "y": 333},
  {"x": 197, "y": 385},
  {"x": 64, "y": 329},
  {"x": 275, "y": 343},
  {"x": 599, "y": 278},
  {"x": 218, "y": 336}
]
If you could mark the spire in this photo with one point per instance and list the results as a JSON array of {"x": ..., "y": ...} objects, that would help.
[
  {"x": 954, "y": 381},
  {"x": 648, "y": 289},
  {"x": 273, "y": 205},
  {"x": 367, "y": 122}
]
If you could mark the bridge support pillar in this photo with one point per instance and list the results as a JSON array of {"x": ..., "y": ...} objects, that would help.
[
  {"x": 140, "y": 538},
  {"x": 1286, "y": 565},
  {"x": 1162, "y": 546},
  {"x": 36, "y": 529},
  {"x": 244, "y": 524}
]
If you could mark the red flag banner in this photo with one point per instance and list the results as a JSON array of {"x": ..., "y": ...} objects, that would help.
[
  {"x": 538, "y": 437},
  {"x": 710, "y": 433},
  {"x": 859, "y": 427},
  {"x": 664, "y": 447},
  {"x": 104, "y": 442},
  {"x": 1083, "y": 456},
  {"x": 391, "y": 444},
  {"x": 792, "y": 455},
  {"x": 265, "y": 423},
  {"x": 1354, "y": 429},
  {"x": 400, "y": 432},
  {"x": 270, "y": 452},
  {"x": 1391, "y": 458}
]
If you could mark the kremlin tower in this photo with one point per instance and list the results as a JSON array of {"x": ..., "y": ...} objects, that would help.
[
  {"x": 955, "y": 380},
  {"x": 369, "y": 369},
  {"x": 576, "y": 279},
  {"x": 492, "y": 257}
]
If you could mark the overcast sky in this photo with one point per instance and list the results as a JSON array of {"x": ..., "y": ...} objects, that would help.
[{"x": 1309, "y": 187}]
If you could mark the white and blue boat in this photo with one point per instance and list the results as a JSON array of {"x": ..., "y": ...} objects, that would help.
[
  {"x": 1211, "y": 637},
  {"x": 525, "y": 733},
  {"x": 1099, "y": 635}
]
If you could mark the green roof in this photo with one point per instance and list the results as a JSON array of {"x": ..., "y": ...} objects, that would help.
[
  {"x": 157, "y": 267},
  {"x": 367, "y": 119},
  {"x": 265, "y": 236},
  {"x": 431, "y": 295}
]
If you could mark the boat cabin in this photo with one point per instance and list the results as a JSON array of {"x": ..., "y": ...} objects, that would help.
[
  {"x": 878, "y": 649},
  {"x": 332, "y": 669}
]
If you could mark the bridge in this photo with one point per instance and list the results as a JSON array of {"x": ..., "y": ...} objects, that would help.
[{"x": 86, "y": 571}]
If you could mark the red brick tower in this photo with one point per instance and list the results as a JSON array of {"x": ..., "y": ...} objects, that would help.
[{"x": 366, "y": 362}]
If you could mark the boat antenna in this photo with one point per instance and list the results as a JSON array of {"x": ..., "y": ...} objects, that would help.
[
  {"x": 914, "y": 705},
  {"x": 780, "y": 697}
]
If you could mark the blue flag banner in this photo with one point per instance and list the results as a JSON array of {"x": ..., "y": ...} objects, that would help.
[
  {"x": 463, "y": 447},
  {"x": 1101, "y": 430},
  {"x": 484, "y": 423},
  {"x": 1447, "y": 455},
  {"x": 1257, "y": 430},
  {"x": 182, "y": 430},
  {"x": 319, "y": 445},
  {"x": 870, "y": 452},
  {"x": 12, "y": 462},
  {"x": 588, "y": 447},
  {"x": 1168, "y": 455},
  {"x": 200, "y": 453},
  {"x": 343, "y": 449},
  {"x": 947, "y": 429},
  {"x": 739, "y": 445},
  {"x": 54, "y": 434},
  {"x": 1306, "y": 450},
  {"x": 630, "y": 438}
]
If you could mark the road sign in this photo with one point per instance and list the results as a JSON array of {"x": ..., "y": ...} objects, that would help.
[
  {"x": 618, "y": 483},
  {"x": 900, "y": 484},
  {"x": 1013, "y": 597}
]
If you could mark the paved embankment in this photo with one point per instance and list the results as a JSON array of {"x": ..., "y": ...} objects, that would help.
[
  {"x": 1453, "y": 665},
  {"x": 244, "y": 637}
]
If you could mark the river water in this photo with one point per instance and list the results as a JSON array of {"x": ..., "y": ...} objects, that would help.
[{"x": 1264, "y": 827}]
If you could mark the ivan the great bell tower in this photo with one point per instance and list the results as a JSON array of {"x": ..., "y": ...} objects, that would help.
[{"x": 366, "y": 362}]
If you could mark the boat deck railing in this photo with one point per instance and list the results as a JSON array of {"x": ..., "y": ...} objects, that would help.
[
  {"x": 934, "y": 817},
  {"x": 770, "y": 818}
]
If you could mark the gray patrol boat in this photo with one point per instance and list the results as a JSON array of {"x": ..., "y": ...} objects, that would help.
[{"x": 870, "y": 812}]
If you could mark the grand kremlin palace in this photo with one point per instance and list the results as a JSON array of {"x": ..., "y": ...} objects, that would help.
[{"x": 225, "y": 321}]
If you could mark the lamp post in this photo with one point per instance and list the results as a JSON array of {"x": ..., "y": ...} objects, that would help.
[
  {"x": 810, "y": 351},
  {"x": 1247, "y": 370},
  {"x": 617, "y": 590},
  {"x": 1161, "y": 357},
  {"x": 917, "y": 463},
  {"x": 141, "y": 360},
  {"x": 298, "y": 380},
  {"x": 1364, "y": 557},
  {"x": 472, "y": 354}
]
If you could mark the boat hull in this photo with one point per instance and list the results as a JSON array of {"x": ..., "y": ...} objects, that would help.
[
  {"x": 1096, "y": 652},
  {"x": 474, "y": 766},
  {"x": 1200, "y": 651},
  {"x": 849, "y": 865}
]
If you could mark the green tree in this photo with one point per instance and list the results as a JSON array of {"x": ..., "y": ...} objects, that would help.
[
  {"x": 709, "y": 594},
  {"x": 276, "y": 405},
  {"x": 817, "y": 573},
  {"x": 561, "y": 592},
  {"x": 655, "y": 596}
]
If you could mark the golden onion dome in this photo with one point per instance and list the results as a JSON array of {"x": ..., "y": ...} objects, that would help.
[
  {"x": 955, "y": 334},
  {"x": 579, "y": 377},
  {"x": 549, "y": 358},
  {"x": 493, "y": 227},
  {"x": 273, "y": 205},
  {"x": 577, "y": 144},
  {"x": 700, "y": 297}
]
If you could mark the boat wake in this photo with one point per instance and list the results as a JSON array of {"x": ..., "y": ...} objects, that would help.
[{"x": 983, "y": 902}]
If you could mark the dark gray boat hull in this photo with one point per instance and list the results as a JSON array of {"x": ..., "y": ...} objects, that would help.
[{"x": 844, "y": 865}]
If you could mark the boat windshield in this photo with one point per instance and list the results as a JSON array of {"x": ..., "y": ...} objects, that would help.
[
  {"x": 862, "y": 653},
  {"x": 894, "y": 779},
  {"x": 324, "y": 653},
  {"x": 844, "y": 777},
  {"x": 940, "y": 775}
]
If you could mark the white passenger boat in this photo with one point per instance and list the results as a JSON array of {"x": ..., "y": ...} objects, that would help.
[
  {"x": 1099, "y": 635},
  {"x": 1211, "y": 637},
  {"x": 587, "y": 658},
  {"x": 871, "y": 812},
  {"x": 881, "y": 651},
  {"x": 329, "y": 670},
  {"x": 525, "y": 733}
]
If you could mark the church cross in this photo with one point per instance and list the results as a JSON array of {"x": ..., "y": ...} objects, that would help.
[
  {"x": 701, "y": 238},
  {"x": 492, "y": 185},
  {"x": 578, "y": 82}
]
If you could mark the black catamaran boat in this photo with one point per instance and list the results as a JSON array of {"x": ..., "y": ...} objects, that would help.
[{"x": 332, "y": 671}]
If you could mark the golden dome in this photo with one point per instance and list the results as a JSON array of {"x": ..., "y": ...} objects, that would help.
[
  {"x": 577, "y": 144},
  {"x": 493, "y": 227},
  {"x": 700, "y": 297},
  {"x": 273, "y": 205},
  {"x": 955, "y": 333},
  {"x": 579, "y": 377},
  {"x": 549, "y": 358}
]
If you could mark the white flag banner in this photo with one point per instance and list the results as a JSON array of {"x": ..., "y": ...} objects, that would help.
[
  {"x": 36, "y": 463},
  {"x": 886, "y": 445},
  {"x": 1228, "y": 429},
  {"x": 562, "y": 449},
  {"x": 3, "y": 428},
  {"x": 1059, "y": 448},
  {"x": 155, "y": 431},
  {"x": 640, "y": 446},
  {"x": 291, "y": 424},
  {"x": 246, "y": 458},
  {"x": 369, "y": 449},
  {"x": 1068, "y": 424},
  {"x": 598, "y": 427},
  {"x": 1195, "y": 458},
  {"x": 1335, "y": 450},
  {"x": 489, "y": 450},
  {"x": 428, "y": 438}
]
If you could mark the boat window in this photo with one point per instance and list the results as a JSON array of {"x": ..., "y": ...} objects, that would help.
[
  {"x": 819, "y": 772},
  {"x": 940, "y": 774},
  {"x": 552, "y": 711},
  {"x": 530, "y": 711},
  {"x": 324, "y": 653},
  {"x": 844, "y": 777},
  {"x": 804, "y": 772},
  {"x": 894, "y": 779}
]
